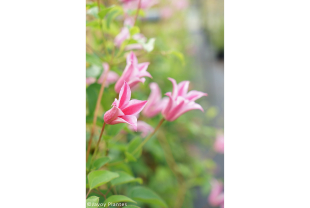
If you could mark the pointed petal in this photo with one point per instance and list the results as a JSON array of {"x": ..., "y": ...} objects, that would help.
[
  {"x": 123, "y": 35},
  {"x": 134, "y": 107},
  {"x": 124, "y": 96},
  {"x": 135, "y": 81},
  {"x": 145, "y": 74},
  {"x": 143, "y": 66},
  {"x": 186, "y": 107},
  {"x": 194, "y": 95},
  {"x": 90, "y": 80},
  {"x": 105, "y": 66},
  {"x": 131, "y": 120},
  {"x": 129, "y": 71},
  {"x": 131, "y": 58},
  {"x": 183, "y": 88},
  {"x": 175, "y": 88},
  {"x": 174, "y": 111},
  {"x": 112, "y": 114},
  {"x": 168, "y": 107}
]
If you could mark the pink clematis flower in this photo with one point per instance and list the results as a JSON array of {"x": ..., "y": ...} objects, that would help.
[
  {"x": 112, "y": 76},
  {"x": 155, "y": 104},
  {"x": 219, "y": 144},
  {"x": 180, "y": 101},
  {"x": 133, "y": 73},
  {"x": 216, "y": 197},
  {"x": 124, "y": 109},
  {"x": 144, "y": 128},
  {"x": 122, "y": 36},
  {"x": 90, "y": 80}
]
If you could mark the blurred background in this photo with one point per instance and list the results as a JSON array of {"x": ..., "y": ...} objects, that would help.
[{"x": 189, "y": 45}]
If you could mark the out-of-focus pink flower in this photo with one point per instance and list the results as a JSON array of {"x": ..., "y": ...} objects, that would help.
[
  {"x": 129, "y": 21},
  {"x": 180, "y": 4},
  {"x": 133, "y": 4},
  {"x": 133, "y": 73},
  {"x": 123, "y": 35},
  {"x": 180, "y": 101},
  {"x": 143, "y": 127},
  {"x": 112, "y": 76},
  {"x": 166, "y": 12},
  {"x": 155, "y": 104},
  {"x": 216, "y": 197},
  {"x": 219, "y": 144},
  {"x": 138, "y": 37},
  {"x": 90, "y": 80},
  {"x": 124, "y": 109}
]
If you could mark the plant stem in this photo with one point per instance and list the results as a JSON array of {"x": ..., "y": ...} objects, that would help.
[
  {"x": 97, "y": 146},
  {"x": 148, "y": 138},
  {"x": 139, "y": 5},
  {"x": 96, "y": 112},
  {"x": 88, "y": 193}
]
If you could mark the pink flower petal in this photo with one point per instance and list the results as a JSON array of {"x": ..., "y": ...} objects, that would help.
[
  {"x": 124, "y": 95},
  {"x": 175, "y": 88},
  {"x": 134, "y": 107},
  {"x": 183, "y": 88},
  {"x": 131, "y": 120},
  {"x": 194, "y": 95},
  {"x": 112, "y": 114}
]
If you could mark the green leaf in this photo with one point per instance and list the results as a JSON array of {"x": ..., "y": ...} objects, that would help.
[
  {"x": 92, "y": 93},
  {"x": 118, "y": 198},
  {"x": 149, "y": 46},
  {"x": 92, "y": 202},
  {"x": 93, "y": 59},
  {"x": 146, "y": 195},
  {"x": 133, "y": 144},
  {"x": 101, "y": 162},
  {"x": 178, "y": 55},
  {"x": 113, "y": 130},
  {"x": 114, "y": 12},
  {"x": 134, "y": 30},
  {"x": 99, "y": 177},
  {"x": 125, "y": 178},
  {"x": 130, "y": 157},
  {"x": 104, "y": 12}
]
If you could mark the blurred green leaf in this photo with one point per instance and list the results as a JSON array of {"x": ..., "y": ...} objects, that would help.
[
  {"x": 99, "y": 177},
  {"x": 92, "y": 202},
  {"x": 130, "y": 157},
  {"x": 92, "y": 92},
  {"x": 134, "y": 30},
  {"x": 113, "y": 130},
  {"x": 101, "y": 162},
  {"x": 178, "y": 55},
  {"x": 212, "y": 112},
  {"x": 133, "y": 144},
  {"x": 118, "y": 198},
  {"x": 93, "y": 59},
  {"x": 113, "y": 12},
  {"x": 125, "y": 178},
  {"x": 146, "y": 195}
]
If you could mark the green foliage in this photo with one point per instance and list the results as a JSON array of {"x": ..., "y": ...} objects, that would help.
[
  {"x": 125, "y": 178},
  {"x": 118, "y": 198},
  {"x": 101, "y": 162},
  {"x": 99, "y": 177},
  {"x": 146, "y": 195},
  {"x": 92, "y": 202}
]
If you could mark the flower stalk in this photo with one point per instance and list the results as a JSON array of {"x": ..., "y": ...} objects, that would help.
[{"x": 149, "y": 137}]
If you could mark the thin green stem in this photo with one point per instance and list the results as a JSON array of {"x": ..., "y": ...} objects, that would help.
[
  {"x": 149, "y": 137},
  {"x": 97, "y": 146},
  {"x": 136, "y": 17}
]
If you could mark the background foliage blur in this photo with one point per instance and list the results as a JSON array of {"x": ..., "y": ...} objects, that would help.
[{"x": 182, "y": 51}]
